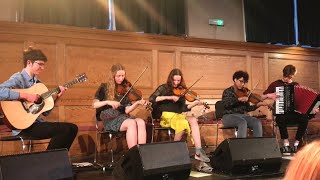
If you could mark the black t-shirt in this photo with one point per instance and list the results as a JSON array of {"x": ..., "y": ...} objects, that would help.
[
  {"x": 102, "y": 95},
  {"x": 166, "y": 105}
]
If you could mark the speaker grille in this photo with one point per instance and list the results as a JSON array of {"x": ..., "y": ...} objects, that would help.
[{"x": 47, "y": 165}]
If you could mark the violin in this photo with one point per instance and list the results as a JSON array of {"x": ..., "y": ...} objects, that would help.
[
  {"x": 252, "y": 97},
  {"x": 188, "y": 95},
  {"x": 133, "y": 94}
]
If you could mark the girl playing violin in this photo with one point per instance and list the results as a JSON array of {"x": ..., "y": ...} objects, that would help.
[
  {"x": 236, "y": 108},
  {"x": 169, "y": 107},
  {"x": 113, "y": 115}
]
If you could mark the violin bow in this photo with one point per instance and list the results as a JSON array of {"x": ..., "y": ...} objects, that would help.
[
  {"x": 188, "y": 89},
  {"x": 254, "y": 88},
  {"x": 133, "y": 84}
]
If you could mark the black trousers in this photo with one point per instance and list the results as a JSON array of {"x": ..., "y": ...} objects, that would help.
[
  {"x": 301, "y": 120},
  {"x": 61, "y": 134}
]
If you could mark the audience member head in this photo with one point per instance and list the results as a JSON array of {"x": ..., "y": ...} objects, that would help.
[{"x": 306, "y": 163}]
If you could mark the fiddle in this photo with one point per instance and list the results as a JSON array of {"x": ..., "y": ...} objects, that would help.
[
  {"x": 252, "y": 97},
  {"x": 188, "y": 95},
  {"x": 126, "y": 89},
  {"x": 133, "y": 93}
]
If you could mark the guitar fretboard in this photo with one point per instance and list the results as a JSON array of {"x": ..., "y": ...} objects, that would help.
[{"x": 57, "y": 89}]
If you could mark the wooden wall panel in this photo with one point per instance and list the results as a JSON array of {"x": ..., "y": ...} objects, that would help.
[
  {"x": 217, "y": 70},
  {"x": 256, "y": 77},
  {"x": 10, "y": 59},
  {"x": 166, "y": 63},
  {"x": 83, "y": 115},
  {"x": 72, "y": 50},
  {"x": 97, "y": 62},
  {"x": 307, "y": 71}
]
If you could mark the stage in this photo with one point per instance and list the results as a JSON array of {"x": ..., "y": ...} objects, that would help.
[{"x": 94, "y": 172}]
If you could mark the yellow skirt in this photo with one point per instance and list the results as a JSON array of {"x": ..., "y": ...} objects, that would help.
[{"x": 176, "y": 121}]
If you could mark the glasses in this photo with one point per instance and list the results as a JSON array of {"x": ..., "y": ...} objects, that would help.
[
  {"x": 242, "y": 81},
  {"x": 40, "y": 64}
]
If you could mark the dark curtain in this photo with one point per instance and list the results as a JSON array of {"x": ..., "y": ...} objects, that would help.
[
  {"x": 151, "y": 16},
  {"x": 308, "y": 26},
  {"x": 269, "y": 21},
  {"x": 82, "y": 13}
]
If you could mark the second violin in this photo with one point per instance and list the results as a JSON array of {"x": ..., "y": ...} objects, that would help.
[{"x": 188, "y": 95}]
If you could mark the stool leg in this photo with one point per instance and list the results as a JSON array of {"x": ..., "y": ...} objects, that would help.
[
  {"x": 95, "y": 148},
  {"x": 30, "y": 146},
  {"x": 217, "y": 135},
  {"x": 96, "y": 152},
  {"x": 236, "y": 132},
  {"x": 23, "y": 145},
  {"x": 111, "y": 151},
  {"x": 152, "y": 133}
]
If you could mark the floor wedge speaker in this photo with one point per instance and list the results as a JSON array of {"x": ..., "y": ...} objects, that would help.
[
  {"x": 243, "y": 156},
  {"x": 154, "y": 161},
  {"x": 46, "y": 165}
]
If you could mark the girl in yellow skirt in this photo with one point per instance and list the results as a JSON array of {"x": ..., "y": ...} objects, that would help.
[{"x": 169, "y": 108}]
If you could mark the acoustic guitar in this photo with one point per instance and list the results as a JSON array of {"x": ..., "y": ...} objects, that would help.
[{"x": 21, "y": 114}]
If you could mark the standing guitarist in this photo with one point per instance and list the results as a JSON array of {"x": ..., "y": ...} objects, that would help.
[{"x": 62, "y": 134}]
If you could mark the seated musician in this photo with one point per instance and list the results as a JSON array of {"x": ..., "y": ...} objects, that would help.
[
  {"x": 113, "y": 115},
  {"x": 283, "y": 120},
  {"x": 62, "y": 134},
  {"x": 236, "y": 106},
  {"x": 169, "y": 107}
]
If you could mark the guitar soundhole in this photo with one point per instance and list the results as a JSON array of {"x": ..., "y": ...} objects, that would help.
[{"x": 39, "y": 101}]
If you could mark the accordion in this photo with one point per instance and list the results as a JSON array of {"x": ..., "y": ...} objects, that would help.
[{"x": 295, "y": 98}]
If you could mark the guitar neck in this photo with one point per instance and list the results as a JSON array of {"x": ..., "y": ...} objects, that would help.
[{"x": 57, "y": 89}]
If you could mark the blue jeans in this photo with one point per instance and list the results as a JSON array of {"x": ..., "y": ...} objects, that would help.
[{"x": 243, "y": 121}]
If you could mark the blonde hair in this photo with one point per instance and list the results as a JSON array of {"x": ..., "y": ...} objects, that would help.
[
  {"x": 111, "y": 83},
  {"x": 306, "y": 163}
]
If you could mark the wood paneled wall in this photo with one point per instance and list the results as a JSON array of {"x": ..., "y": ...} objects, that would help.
[{"x": 72, "y": 51}]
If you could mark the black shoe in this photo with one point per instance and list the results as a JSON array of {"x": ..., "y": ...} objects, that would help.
[
  {"x": 294, "y": 149},
  {"x": 285, "y": 150}
]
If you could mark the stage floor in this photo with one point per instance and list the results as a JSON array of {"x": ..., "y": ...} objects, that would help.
[{"x": 96, "y": 173}]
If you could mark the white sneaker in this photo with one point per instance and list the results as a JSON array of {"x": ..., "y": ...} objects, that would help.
[
  {"x": 204, "y": 167},
  {"x": 201, "y": 156}
]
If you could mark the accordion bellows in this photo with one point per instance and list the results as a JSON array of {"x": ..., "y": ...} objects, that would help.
[
  {"x": 304, "y": 99},
  {"x": 295, "y": 98}
]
